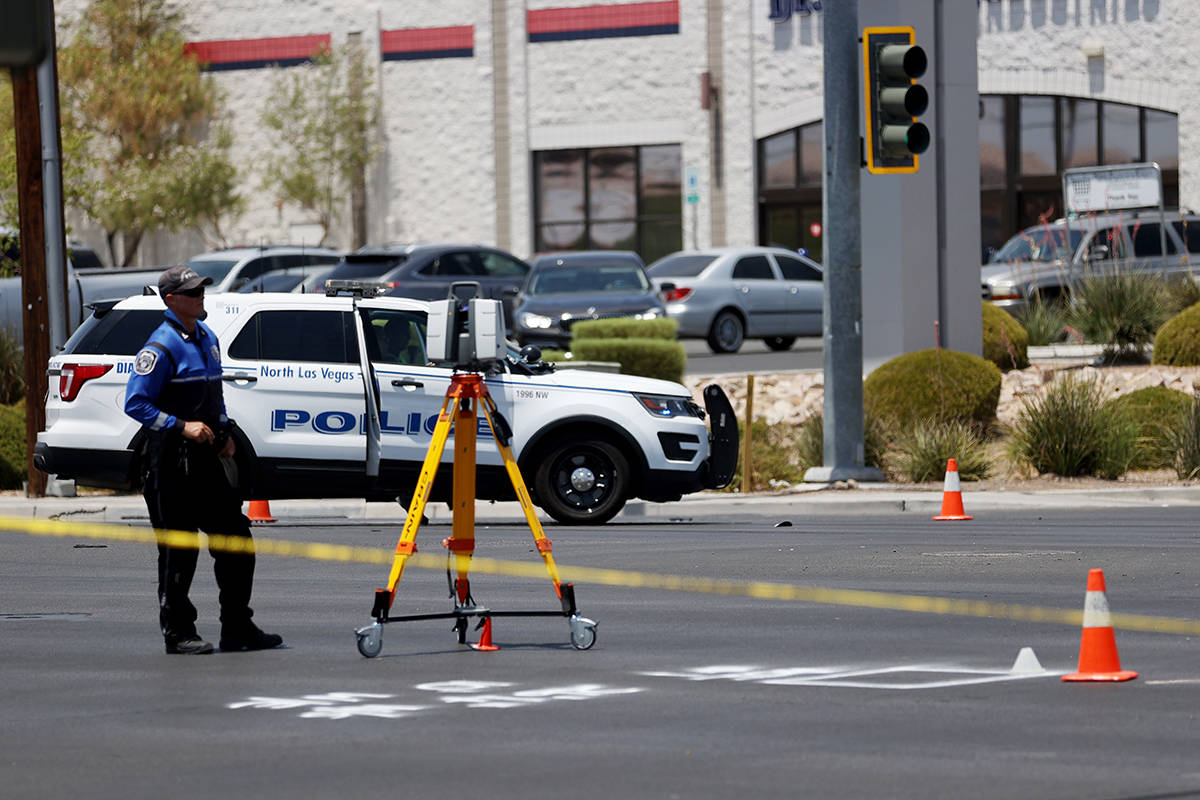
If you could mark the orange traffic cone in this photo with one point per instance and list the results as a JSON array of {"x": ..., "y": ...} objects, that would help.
[
  {"x": 1098, "y": 660},
  {"x": 485, "y": 641},
  {"x": 260, "y": 512},
  {"x": 952, "y": 507}
]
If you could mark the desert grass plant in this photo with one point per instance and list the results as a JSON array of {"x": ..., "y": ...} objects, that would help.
[
  {"x": 1184, "y": 439},
  {"x": 1155, "y": 410},
  {"x": 1043, "y": 320},
  {"x": 1122, "y": 311},
  {"x": 810, "y": 441},
  {"x": 12, "y": 369},
  {"x": 773, "y": 461},
  {"x": 1071, "y": 430},
  {"x": 921, "y": 451}
]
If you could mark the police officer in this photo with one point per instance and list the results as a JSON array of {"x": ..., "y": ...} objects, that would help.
[{"x": 175, "y": 392}]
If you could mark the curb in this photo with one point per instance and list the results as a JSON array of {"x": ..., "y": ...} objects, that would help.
[{"x": 817, "y": 499}]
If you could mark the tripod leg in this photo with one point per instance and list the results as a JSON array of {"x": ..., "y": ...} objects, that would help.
[
  {"x": 499, "y": 431},
  {"x": 462, "y": 539},
  {"x": 408, "y": 535}
]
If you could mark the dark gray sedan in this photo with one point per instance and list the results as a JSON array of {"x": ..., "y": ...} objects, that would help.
[
  {"x": 564, "y": 288},
  {"x": 729, "y": 294}
]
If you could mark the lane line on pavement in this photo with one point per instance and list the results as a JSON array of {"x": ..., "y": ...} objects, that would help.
[{"x": 759, "y": 590}]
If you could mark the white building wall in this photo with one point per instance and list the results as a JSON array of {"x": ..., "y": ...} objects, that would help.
[{"x": 436, "y": 179}]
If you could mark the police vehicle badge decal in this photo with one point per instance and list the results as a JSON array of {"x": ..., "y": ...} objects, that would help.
[{"x": 145, "y": 361}]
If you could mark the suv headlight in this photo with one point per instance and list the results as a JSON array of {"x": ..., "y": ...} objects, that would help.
[
  {"x": 665, "y": 405},
  {"x": 530, "y": 320},
  {"x": 650, "y": 313}
]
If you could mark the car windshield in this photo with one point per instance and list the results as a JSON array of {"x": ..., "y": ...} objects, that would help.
[
  {"x": 211, "y": 269},
  {"x": 591, "y": 278},
  {"x": 680, "y": 266},
  {"x": 361, "y": 267},
  {"x": 1042, "y": 243}
]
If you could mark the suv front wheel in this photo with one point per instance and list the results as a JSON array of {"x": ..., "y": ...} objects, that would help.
[{"x": 582, "y": 481}]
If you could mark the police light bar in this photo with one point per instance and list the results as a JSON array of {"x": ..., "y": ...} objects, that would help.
[{"x": 352, "y": 288}]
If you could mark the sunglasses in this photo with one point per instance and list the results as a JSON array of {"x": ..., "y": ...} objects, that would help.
[{"x": 197, "y": 292}]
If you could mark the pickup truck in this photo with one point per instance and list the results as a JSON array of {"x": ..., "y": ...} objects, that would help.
[{"x": 230, "y": 270}]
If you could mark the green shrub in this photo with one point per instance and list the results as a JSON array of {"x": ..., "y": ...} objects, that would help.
[
  {"x": 1121, "y": 311},
  {"x": 1043, "y": 320},
  {"x": 773, "y": 461},
  {"x": 12, "y": 369},
  {"x": 652, "y": 358},
  {"x": 624, "y": 328},
  {"x": 933, "y": 384},
  {"x": 551, "y": 356},
  {"x": 13, "y": 467},
  {"x": 922, "y": 450},
  {"x": 1184, "y": 440},
  {"x": 1071, "y": 430},
  {"x": 810, "y": 443},
  {"x": 1155, "y": 410},
  {"x": 1005, "y": 342},
  {"x": 1178, "y": 341}
]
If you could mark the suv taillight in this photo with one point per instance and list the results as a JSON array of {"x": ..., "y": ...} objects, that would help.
[
  {"x": 674, "y": 295},
  {"x": 74, "y": 376}
]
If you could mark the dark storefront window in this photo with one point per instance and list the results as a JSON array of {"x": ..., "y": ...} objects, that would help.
[
  {"x": 1025, "y": 141},
  {"x": 611, "y": 198},
  {"x": 1037, "y": 136},
  {"x": 992, "y": 154},
  {"x": 1162, "y": 139},
  {"x": 1121, "y": 140},
  {"x": 790, "y": 167}
]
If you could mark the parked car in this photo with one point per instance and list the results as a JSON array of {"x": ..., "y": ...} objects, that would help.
[
  {"x": 729, "y": 294},
  {"x": 425, "y": 271},
  {"x": 1047, "y": 260},
  {"x": 294, "y": 368},
  {"x": 232, "y": 269},
  {"x": 563, "y": 288}
]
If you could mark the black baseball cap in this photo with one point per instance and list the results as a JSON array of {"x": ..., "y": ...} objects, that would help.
[{"x": 180, "y": 279}]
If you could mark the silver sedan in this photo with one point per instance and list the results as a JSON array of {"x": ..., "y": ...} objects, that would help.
[{"x": 729, "y": 294}]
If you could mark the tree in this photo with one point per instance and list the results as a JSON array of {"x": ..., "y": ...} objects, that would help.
[
  {"x": 157, "y": 156},
  {"x": 75, "y": 184},
  {"x": 324, "y": 121}
]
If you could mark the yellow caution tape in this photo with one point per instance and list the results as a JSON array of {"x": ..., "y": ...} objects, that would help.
[{"x": 761, "y": 590}]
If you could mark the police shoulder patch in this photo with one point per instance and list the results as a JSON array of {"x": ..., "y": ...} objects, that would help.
[{"x": 145, "y": 362}]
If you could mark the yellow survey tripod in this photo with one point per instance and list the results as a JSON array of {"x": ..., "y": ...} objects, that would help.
[{"x": 467, "y": 392}]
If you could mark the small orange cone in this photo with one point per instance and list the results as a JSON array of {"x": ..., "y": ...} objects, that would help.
[
  {"x": 485, "y": 641},
  {"x": 260, "y": 512},
  {"x": 1098, "y": 660},
  {"x": 952, "y": 506}
]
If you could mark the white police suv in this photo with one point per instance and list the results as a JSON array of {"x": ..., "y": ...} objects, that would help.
[{"x": 296, "y": 386}]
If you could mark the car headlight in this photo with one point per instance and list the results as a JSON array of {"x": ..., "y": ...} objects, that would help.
[
  {"x": 530, "y": 320},
  {"x": 665, "y": 405},
  {"x": 650, "y": 313}
]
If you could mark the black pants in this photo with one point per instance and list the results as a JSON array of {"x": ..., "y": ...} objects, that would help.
[{"x": 189, "y": 493}]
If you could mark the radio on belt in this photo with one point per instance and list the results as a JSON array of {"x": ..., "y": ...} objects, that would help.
[{"x": 466, "y": 329}]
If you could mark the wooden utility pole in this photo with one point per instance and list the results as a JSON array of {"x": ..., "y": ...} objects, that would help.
[{"x": 35, "y": 319}]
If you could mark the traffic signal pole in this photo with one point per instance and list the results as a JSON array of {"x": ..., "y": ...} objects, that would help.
[{"x": 842, "y": 318}]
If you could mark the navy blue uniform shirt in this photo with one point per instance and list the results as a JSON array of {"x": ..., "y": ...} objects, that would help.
[{"x": 177, "y": 378}]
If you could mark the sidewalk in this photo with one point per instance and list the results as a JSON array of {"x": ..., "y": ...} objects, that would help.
[{"x": 793, "y": 502}]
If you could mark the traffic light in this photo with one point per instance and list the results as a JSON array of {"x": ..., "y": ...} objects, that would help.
[{"x": 894, "y": 99}]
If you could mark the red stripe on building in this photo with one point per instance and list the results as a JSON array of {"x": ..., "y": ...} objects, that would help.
[
  {"x": 417, "y": 40},
  {"x": 282, "y": 48},
  {"x": 629, "y": 15}
]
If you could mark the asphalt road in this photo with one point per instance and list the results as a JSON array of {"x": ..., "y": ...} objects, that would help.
[
  {"x": 684, "y": 695},
  {"x": 754, "y": 356}
]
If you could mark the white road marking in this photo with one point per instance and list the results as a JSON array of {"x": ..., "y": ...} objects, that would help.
[{"x": 875, "y": 677}]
